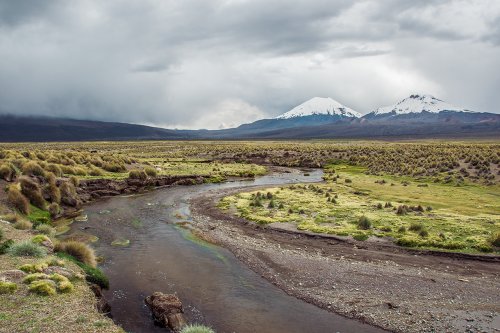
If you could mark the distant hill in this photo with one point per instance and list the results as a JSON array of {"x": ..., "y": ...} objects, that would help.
[
  {"x": 21, "y": 129},
  {"x": 418, "y": 116}
]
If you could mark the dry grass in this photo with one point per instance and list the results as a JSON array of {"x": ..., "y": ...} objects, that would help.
[{"x": 23, "y": 312}]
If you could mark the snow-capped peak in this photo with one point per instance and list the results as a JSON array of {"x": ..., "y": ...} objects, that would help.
[
  {"x": 419, "y": 103},
  {"x": 320, "y": 106}
]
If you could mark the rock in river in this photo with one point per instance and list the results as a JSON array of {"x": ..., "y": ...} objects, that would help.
[{"x": 167, "y": 310}]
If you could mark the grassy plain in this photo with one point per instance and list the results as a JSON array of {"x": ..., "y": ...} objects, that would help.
[{"x": 412, "y": 213}]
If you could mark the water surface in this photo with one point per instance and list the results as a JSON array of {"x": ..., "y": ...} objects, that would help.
[{"x": 215, "y": 288}]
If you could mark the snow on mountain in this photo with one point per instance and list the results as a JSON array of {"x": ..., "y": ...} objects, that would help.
[
  {"x": 320, "y": 106},
  {"x": 418, "y": 104}
]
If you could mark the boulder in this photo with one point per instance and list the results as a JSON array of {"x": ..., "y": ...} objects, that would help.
[{"x": 167, "y": 310}]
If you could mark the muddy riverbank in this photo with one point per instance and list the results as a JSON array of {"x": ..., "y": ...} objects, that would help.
[{"x": 387, "y": 286}]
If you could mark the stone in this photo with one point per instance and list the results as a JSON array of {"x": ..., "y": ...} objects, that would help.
[{"x": 167, "y": 310}]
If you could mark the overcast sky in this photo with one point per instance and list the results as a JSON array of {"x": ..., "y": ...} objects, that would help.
[{"x": 207, "y": 64}]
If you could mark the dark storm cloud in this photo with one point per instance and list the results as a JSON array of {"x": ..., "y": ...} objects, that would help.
[{"x": 201, "y": 63}]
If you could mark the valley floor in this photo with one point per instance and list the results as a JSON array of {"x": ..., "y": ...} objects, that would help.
[{"x": 398, "y": 289}]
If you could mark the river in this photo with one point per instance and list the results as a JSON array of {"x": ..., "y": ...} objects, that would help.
[{"x": 215, "y": 288}]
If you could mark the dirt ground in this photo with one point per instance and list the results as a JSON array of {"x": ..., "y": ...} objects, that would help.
[{"x": 398, "y": 289}]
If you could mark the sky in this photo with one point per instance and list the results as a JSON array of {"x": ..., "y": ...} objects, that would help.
[{"x": 219, "y": 63}]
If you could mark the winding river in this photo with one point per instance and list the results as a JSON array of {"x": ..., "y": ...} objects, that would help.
[{"x": 215, "y": 288}]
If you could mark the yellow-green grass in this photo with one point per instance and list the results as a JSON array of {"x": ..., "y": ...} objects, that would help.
[
  {"x": 463, "y": 218},
  {"x": 167, "y": 167},
  {"x": 23, "y": 311}
]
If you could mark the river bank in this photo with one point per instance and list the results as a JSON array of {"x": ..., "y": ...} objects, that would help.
[{"x": 392, "y": 288}]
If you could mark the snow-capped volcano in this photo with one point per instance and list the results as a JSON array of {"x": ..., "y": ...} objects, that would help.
[
  {"x": 320, "y": 106},
  {"x": 418, "y": 104}
]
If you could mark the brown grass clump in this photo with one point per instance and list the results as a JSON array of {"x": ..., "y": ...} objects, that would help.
[
  {"x": 51, "y": 190},
  {"x": 33, "y": 192},
  {"x": 79, "y": 250},
  {"x": 137, "y": 174},
  {"x": 7, "y": 172},
  {"x": 54, "y": 210},
  {"x": 68, "y": 194},
  {"x": 18, "y": 200},
  {"x": 32, "y": 168},
  {"x": 55, "y": 169},
  {"x": 151, "y": 172},
  {"x": 23, "y": 225}
]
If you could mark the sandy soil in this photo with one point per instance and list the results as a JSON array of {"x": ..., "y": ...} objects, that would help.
[{"x": 391, "y": 287}]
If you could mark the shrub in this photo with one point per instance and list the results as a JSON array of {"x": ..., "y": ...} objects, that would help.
[
  {"x": 92, "y": 275},
  {"x": 23, "y": 225},
  {"x": 33, "y": 276},
  {"x": 32, "y": 191},
  {"x": 65, "y": 286},
  {"x": 137, "y": 174},
  {"x": 94, "y": 171},
  {"x": 54, "y": 209},
  {"x": 81, "y": 251},
  {"x": 402, "y": 210},
  {"x": 271, "y": 204},
  {"x": 4, "y": 247},
  {"x": 151, "y": 172},
  {"x": 360, "y": 237},
  {"x": 7, "y": 172},
  {"x": 495, "y": 239},
  {"x": 55, "y": 169},
  {"x": 7, "y": 287},
  {"x": 416, "y": 227},
  {"x": 68, "y": 194},
  {"x": 38, "y": 239},
  {"x": 74, "y": 180},
  {"x": 114, "y": 167},
  {"x": 12, "y": 218},
  {"x": 53, "y": 192},
  {"x": 364, "y": 223},
  {"x": 402, "y": 229},
  {"x": 32, "y": 168},
  {"x": 196, "y": 328},
  {"x": 34, "y": 268},
  {"x": 43, "y": 287},
  {"x": 18, "y": 200},
  {"x": 423, "y": 233},
  {"x": 27, "y": 249}
]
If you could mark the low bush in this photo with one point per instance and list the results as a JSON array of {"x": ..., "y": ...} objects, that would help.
[
  {"x": 33, "y": 192},
  {"x": 4, "y": 247},
  {"x": 81, "y": 251},
  {"x": 18, "y": 200},
  {"x": 68, "y": 194},
  {"x": 151, "y": 172},
  {"x": 7, "y": 287},
  {"x": 39, "y": 239},
  {"x": 416, "y": 227},
  {"x": 23, "y": 225},
  {"x": 196, "y": 328},
  {"x": 137, "y": 174},
  {"x": 32, "y": 168},
  {"x": 27, "y": 249},
  {"x": 7, "y": 172},
  {"x": 43, "y": 287},
  {"x": 364, "y": 223},
  {"x": 360, "y": 237},
  {"x": 92, "y": 275},
  {"x": 495, "y": 239},
  {"x": 54, "y": 209},
  {"x": 34, "y": 268}
]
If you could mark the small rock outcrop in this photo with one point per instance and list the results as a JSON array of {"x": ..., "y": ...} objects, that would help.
[{"x": 167, "y": 310}]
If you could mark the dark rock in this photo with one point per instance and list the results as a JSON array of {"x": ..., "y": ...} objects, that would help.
[{"x": 167, "y": 310}]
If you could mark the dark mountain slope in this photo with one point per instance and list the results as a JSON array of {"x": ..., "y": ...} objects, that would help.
[{"x": 20, "y": 129}]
